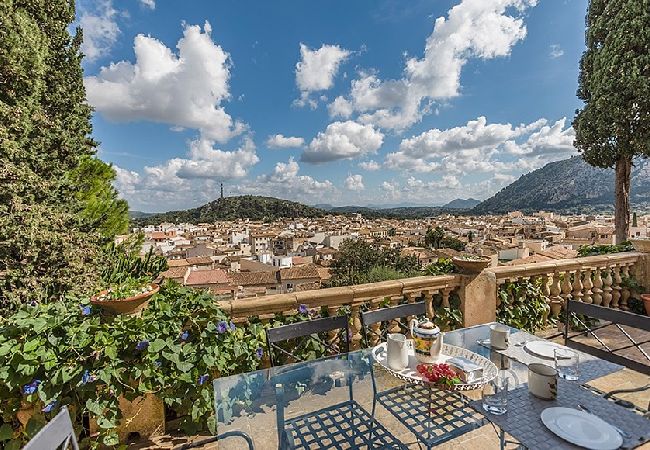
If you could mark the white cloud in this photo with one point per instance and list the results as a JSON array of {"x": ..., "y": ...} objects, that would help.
[
  {"x": 281, "y": 141},
  {"x": 182, "y": 90},
  {"x": 343, "y": 140},
  {"x": 286, "y": 182},
  {"x": 479, "y": 147},
  {"x": 555, "y": 51},
  {"x": 151, "y": 4},
  {"x": 98, "y": 20},
  {"x": 354, "y": 183},
  {"x": 208, "y": 162},
  {"x": 316, "y": 70},
  {"x": 473, "y": 29},
  {"x": 370, "y": 165},
  {"x": 391, "y": 190},
  {"x": 126, "y": 181}
]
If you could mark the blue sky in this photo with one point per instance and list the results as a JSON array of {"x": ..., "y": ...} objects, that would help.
[{"x": 364, "y": 102}]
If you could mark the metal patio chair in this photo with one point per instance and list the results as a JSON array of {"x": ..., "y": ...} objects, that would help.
[
  {"x": 343, "y": 425},
  {"x": 57, "y": 433},
  {"x": 432, "y": 415}
]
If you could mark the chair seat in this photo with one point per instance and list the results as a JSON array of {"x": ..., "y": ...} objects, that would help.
[
  {"x": 432, "y": 415},
  {"x": 342, "y": 426}
]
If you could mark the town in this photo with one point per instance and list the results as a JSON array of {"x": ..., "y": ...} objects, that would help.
[{"x": 244, "y": 258}]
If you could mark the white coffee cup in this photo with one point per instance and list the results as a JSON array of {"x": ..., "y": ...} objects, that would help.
[
  {"x": 542, "y": 381},
  {"x": 499, "y": 336},
  {"x": 397, "y": 351}
]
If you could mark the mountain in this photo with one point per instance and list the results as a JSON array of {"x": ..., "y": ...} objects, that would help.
[
  {"x": 570, "y": 185},
  {"x": 233, "y": 208},
  {"x": 461, "y": 203},
  {"x": 139, "y": 214}
]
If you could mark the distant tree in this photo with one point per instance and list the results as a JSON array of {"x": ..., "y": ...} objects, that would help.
[
  {"x": 392, "y": 231},
  {"x": 361, "y": 262},
  {"x": 433, "y": 238},
  {"x": 470, "y": 236},
  {"x": 634, "y": 220},
  {"x": 614, "y": 125},
  {"x": 53, "y": 223}
]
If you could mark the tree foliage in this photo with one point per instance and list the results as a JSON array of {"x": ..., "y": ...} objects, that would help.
[
  {"x": 362, "y": 262},
  {"x": 53, "y": 220},
  {"x": 614, "y": 124}
]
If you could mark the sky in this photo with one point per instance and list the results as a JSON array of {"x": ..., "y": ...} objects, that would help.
[{"x": 365, "y": 102}]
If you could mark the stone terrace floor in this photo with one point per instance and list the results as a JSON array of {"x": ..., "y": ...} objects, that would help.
[{"x": 481, "y": 438}]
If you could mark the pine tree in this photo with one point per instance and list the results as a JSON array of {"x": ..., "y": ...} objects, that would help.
[
  {"x": 50, "y": 236},
  {"x": 614, "y": 125}
]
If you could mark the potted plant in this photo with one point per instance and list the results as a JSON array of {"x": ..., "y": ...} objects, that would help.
[
  {"x": 471, "y": 264},
  {"x": 130, "y": 296}
]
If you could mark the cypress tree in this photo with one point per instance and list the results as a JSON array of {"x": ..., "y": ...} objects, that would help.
[
  {"x": 614, "y": 125},
  {"x": 53, "y": 218}
]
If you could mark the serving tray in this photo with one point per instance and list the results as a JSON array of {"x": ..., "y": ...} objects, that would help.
[{"x": 412, "y": 375}]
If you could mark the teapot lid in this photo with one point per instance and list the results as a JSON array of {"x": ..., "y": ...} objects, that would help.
[{"x": 427, "y": 326}]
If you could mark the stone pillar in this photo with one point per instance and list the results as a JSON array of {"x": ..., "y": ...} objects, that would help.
[
  {"x": 641, "y": 271},
  {"x": 478, "y": 298}
]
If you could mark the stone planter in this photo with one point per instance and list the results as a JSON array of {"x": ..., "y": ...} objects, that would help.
[
  {"x": 143, "y": 417},
  {"x": 641, "y": 245},
  {"x": 127, "y": 306},
  {"x": 471, "y": 266}
]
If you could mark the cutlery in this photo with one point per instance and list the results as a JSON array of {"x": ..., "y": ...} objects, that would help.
[{"x": 625, "y": 434}]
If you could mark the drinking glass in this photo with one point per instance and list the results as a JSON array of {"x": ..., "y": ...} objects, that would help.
[
  {"x": 495, "y": 395},
  {"x": 566, "y": 363}
]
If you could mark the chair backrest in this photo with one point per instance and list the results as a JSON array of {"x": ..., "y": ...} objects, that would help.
[
  {"x": 57, "y": 433},
  {"x": 374, "y": 334},
  {"x": 610, "y": 318},
  {"x": 312, "y": 329}
]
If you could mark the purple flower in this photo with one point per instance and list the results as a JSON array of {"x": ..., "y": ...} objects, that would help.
[
  {"x": 203, "y": 379},
  {"x": 142, "y": 345},
  {"x": 185, "y": 335},
  {"x": 87, "y": 377},
  {"x": 30, "y": 388},
  {"x": 86, "y": 310},
  {"x": 232, "y": 326},
  {"x": 222, "y": 327},
  {"x": 314, "y": 312},
  {"x": 49, "y": 407},
  {"x": 302, "y": 309},
  {"x": 259, "y": 352}
]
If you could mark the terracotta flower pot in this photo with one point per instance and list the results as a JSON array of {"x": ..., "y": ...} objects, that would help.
[
  {"x": 130, "y": 305},
  {"x": 646, "y": 302},
  {"x": 471, "y": 266}
]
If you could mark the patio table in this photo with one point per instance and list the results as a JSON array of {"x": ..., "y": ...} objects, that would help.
[{"x": 248, "y": 402}]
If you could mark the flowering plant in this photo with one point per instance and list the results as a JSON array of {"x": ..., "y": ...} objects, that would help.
[{"x": 440, "y": 374}]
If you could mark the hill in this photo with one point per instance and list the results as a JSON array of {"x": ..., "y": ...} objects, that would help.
[
  {"x": 233, "y": 208},
  {"x": 570, "y": 185},
  {"x": 461, "y": 203}
]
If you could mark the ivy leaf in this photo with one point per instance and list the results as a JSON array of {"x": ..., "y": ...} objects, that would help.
[
  {"x": 156, "y": 346},
  {"x": 6, "y": 432}
]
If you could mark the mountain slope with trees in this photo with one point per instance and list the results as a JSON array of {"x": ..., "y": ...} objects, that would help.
[
  {"x": 233, "y": 208},
  {"x": 570, "y": 185}
]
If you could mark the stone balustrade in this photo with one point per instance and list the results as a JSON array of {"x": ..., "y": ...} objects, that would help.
[
  {"x": 595, "y": 279},
  {"x": 432, "y": 289}
]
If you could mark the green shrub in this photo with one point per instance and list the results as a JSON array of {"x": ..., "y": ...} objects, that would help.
[
  {"x": 594, "y": 250},
  {"x": 65, "y": 353},
  {"x": 523, "y": 305}
]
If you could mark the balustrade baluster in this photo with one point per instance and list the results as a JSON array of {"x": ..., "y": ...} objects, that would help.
[
  {"x": 333, "y": 335},
  {"x": 597, "y": 289},
  {"x": 588, "y": 284},
  {"x": 375, "y": 334},
  {"x": 556, "y": 300},
  {"x": 546, "y": 292},
  {"x": 566, "y": 287},
  {"x": 616, "y": 286},
  {"x": 577, "y": 286},
  {"x": 607, "y": 287},
  {"x": 394, "y": 324},
  {"x": 625, "y": 290},
  {"x": 355, "y": 328},
  {"x": 428, "y": 300}
]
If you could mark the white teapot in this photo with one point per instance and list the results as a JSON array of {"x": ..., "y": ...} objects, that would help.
[{"x": 427, "y": 341}]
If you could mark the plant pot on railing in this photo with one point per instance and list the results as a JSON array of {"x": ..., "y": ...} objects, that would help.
[
  {"x": 641, "y": 245},
  {"x": 471, "y": 264},
  {"x": 129, "y": 305}
]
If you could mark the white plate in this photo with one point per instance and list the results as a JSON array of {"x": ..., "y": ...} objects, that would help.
[
  {"x": 581, "y": 428},
  {"x": 542, "y": 348}
]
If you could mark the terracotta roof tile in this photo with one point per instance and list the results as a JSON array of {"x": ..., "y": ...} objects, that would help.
[
  {"x": 212, "y": 276},
  {"x": 299, "y": 272},
  {"x": 253, "y": 278}
]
